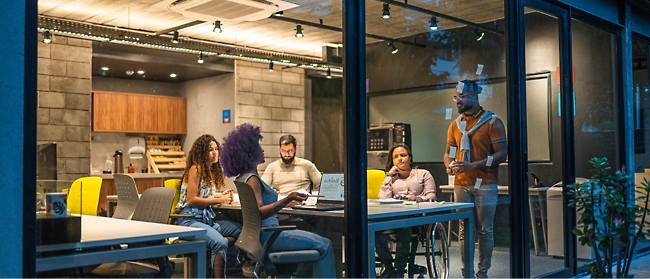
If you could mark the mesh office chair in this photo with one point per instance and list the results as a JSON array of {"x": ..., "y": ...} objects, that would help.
[
  {"x": 83, "y": 196},
  {"x": 127, "y": 196},
  {"x": 262, "y": 262}
]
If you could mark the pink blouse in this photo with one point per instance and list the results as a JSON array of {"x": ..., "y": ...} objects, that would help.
[{"x": 419, "y": 183}]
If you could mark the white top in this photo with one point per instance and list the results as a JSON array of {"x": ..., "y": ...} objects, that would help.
[
  {"x": 289, "y": 178},
  {"x": 103, "y": 231}
]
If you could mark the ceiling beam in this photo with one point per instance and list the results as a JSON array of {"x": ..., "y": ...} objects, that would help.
[
  {"x": 441, "y": 15},
  {"x": 182, "y": 26},
  {"x": 338, "y": 29}
]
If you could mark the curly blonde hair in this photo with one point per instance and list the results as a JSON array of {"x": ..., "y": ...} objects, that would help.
[{"x": 198, "y": 155}]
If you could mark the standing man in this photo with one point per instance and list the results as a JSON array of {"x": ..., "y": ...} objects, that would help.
[
  {"x": 476, "y": 145},
  {"x": 290, "y": 173}
]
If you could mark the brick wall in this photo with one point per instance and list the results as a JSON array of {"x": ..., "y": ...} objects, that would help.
[
  {"x": 64, "y": 116},
  {"x": 275, "y": 101}
]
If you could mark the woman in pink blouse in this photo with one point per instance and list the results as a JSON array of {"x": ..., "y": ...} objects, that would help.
[{"x": 403, "y": 181}]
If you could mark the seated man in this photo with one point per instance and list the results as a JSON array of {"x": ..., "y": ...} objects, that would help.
[{"x": 289, "y": 173}]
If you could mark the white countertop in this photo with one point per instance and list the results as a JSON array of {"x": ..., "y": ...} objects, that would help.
[{"x": 144, "y": 175}]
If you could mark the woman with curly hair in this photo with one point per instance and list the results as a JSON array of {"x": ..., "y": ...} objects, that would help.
[
  {"x": 240, "y": 154},
  {"x": 202, "y": 181}
]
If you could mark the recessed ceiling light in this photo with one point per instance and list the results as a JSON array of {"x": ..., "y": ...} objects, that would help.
[
  {"x": 140, "y": 72},
  {"x": 104, "y": 68},
  {"x": 129, "y": 72},
  {"x": 172, "y": 75}
]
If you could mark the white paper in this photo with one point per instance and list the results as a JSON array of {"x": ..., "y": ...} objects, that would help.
[
  {"x": 460, "y": 87},
  {"x": 478, "y": 183},
  {"x": 310, "y": 200},
  {"x": 448, "y": 112},
  {"x": 479, "y": 70},
  {"x": 452, "y": 152}
]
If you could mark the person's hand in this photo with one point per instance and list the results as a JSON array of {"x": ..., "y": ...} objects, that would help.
[
  {"x": 461, "y": 167},
  {"x": 299, "y": 197},
  {"x": 225, "y": 199},
  {"x": 292, "y": 203},
  {"x": 451, "y": 169},
  {"x": 393, "y": 171},
  {"x": 415, "y": 199}
]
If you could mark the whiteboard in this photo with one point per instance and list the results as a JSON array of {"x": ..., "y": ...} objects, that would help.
[{"x": 427, "y": 111}]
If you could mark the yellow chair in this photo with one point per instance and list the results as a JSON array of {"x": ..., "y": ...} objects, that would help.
[
  {"x": 176, "y": 185},
  {"x": 375, "y": 178},
  {"x": 83, "y": 196}
]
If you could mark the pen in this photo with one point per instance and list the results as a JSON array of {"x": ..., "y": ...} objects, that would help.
[{"x": 316, "y": 196}]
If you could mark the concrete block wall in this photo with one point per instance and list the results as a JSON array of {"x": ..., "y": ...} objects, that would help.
[
  {"x": 275, "y": 101},
  {"x": 64, "y": 114}
]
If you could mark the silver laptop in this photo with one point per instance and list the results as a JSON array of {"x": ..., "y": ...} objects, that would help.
[{"x": 332, "y": 192}]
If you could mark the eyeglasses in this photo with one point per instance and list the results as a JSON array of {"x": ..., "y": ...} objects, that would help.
[
  {"x": 286, "y": 152},
  {"x": 460, "y": 97}
]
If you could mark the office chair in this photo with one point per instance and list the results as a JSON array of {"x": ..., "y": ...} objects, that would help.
[
  {"x": 263, "y": 263},
  {"x": 374, "y": 178},
  {"x": 127, "y": 196},
  {"x": 83, "y": 196},
  {"x": 153, "y": 207}
]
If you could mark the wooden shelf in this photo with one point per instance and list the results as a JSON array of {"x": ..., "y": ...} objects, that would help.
[{"x": 165, "y": 157}]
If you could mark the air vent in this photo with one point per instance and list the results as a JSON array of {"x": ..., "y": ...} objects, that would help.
[{"x": 226, "y": 10}]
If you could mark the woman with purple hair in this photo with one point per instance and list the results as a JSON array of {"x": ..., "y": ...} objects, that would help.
[
  {"x": 199, "y": 192},
  {"x": 240, "y": 154}
]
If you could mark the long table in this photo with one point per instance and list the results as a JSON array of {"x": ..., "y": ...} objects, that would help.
[
  {"x": 536, "y": 201},
  {"x": 391, "y": 216},
  {"x": 101, "y": 232}
]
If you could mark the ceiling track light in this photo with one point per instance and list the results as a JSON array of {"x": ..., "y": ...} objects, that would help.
[
  {"x": 329, "y": 73},
  {"x": 175, "y": 38},
  {"x": 479, "y": 34},
  {"x": 385, "y": 13},
  {"x": 47, "y": 37},
  {"x": 217, "y": 27},
  {"x": 279, "y": 13},
  {"x": 434, "y": 24},
  {"x": 394, "y": 49},
  {"x": 299, "y": 31},
  {"x": 200, "y": 61},
  {"x": 270, "y": 66}
]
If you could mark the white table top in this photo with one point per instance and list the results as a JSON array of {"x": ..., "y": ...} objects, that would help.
[
  {"x": 102, "y": 231},
  {"x": 502, "y": 189},
  {"x": 375, "y": 211}
]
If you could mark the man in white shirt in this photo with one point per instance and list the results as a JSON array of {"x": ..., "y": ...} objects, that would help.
[{"x": 290, "y": 173}]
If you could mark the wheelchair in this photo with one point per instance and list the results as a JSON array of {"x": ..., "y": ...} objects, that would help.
[{"x": 433, "y": 237}]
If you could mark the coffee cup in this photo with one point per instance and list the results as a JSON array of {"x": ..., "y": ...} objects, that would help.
[{"x": 56, "y": 204}]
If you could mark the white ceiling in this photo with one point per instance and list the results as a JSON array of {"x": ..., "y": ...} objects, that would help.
[{"x": 272, "y": 34}]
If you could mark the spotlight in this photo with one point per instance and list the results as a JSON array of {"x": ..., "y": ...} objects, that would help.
[
  {"x": 175, "y": 38},
  {"x": 434, "y": 23},
  {"x": 329, "y": 73},
  {"x": 385, "y": 14},
  {"x": 394, "y": 48},
  {"x": 478, "y": 34},
  {"x": 172, "y": 75},
  {"x": 140, "y": 72},
  {"x": 47, "y": 37},
  {"x": 104, "y": 68},
  {"x": 129, "y": 72},
  {"x": 217, "y": 27},
  {"x": 299, "y": 31},
  {"x": 270, "y": 66},
  {"x": 200, "y": 61},
  {"x": 279, "y": 13}
]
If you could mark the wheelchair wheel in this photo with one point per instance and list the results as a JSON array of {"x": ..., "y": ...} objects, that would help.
[{"x": 437, "y": 251}]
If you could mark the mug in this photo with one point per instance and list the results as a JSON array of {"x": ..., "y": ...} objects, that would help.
[{"x": 56, "y": 204}]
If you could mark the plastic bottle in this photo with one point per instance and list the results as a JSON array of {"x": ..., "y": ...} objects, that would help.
[{"x": 131, "y": 168}]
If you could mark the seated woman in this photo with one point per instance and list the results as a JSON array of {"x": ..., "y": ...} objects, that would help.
[
  {"x": 201, "y": 181},
  {"x": 240, "y": 155},
  {"x": 403, "y": 181}
]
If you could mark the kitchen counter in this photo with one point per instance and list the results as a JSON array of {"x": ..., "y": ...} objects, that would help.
[{"x": 145, "y": 175}]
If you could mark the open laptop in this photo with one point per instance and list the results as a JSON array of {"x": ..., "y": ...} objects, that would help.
[{"x": 332, "y": 194}]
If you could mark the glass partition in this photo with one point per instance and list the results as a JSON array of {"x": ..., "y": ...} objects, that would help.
[{"x": 641, "y": 91}]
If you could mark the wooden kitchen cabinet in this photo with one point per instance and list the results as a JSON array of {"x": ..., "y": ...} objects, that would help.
[
  {"x": 110, "y": 112},
  {"x": 172, "y": 115},
  {"x": 138, "y": 113}
]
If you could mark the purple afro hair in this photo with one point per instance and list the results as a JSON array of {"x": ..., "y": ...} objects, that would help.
[{"x": 241, "y": 150}]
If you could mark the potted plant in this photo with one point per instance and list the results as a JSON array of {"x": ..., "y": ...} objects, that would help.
[{"x": 612, "y": 218}]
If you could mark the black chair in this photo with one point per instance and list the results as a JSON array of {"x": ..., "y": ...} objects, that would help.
[{"x": 261, "y": 262}]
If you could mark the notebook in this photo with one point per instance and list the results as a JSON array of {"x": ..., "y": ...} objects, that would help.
[{"x": 332, "y": 192}]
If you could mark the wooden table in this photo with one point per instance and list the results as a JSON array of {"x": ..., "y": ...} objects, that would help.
[{"x": 102, "y": 231}]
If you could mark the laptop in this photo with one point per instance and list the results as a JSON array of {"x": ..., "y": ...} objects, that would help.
[{"x": 331, "y": 194}]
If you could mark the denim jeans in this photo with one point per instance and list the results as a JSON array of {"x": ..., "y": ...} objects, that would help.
[
  {"x": 292, "y": 240},
  {"x": 214, "y": 238},
  {"x": 485, "y": 203}
]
